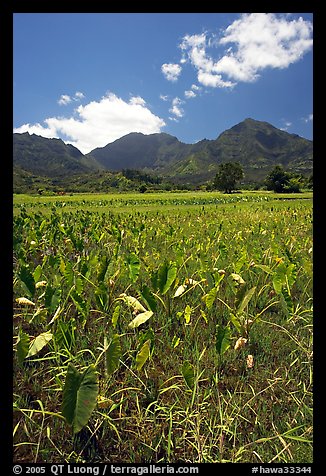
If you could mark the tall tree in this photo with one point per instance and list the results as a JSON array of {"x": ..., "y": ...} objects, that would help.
[
  {"x": 227, "y": 176},
  {"x": 277, "y": 179}
]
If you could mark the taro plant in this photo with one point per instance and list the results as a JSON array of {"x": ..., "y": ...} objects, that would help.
[
  {"x": 162, "y": 281},
  {"x": 240, "y": 317},
  {"x": 284, "y": 277},
  {"x": 29, "y": 347},
  {"x": 188, "y": 373},
  {"x": 113, "y": 354},
  {"x": 80, "y": 394}
]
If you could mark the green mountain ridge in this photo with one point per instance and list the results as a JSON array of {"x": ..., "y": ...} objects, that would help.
[
  {"x": 49, "y": 157},
  {"x": 257, "y": 146}
]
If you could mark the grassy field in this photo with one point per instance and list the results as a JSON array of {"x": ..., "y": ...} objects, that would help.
[{"x": 172, "y": 327}]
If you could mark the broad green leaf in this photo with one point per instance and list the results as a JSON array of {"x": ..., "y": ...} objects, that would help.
[
  {"x": 284, "y": 275},
  {"x": 148, "y": 297},
  {"x": 265, "y": 268},
  {"x": 223, "y": 339},
  {"x": 210, "y": 278},
  {"x": 279, "y": 277},
  {"x": 239, "y": 264},
  {"x": 104, "y": 263},
  {"x": 245, "y": 301},
  {"x": 236, "y": 322},
  {"x": 68, "y": 273},
  {"x": 113, "y": 354},
  {"x": 187, "y": 313},
  {"x": 42, "y": 225},
  {"x": 62, "y": 265},
  {"x": 166, "y": 276},
  {"x": 143, "y": 355},
  {"x": 79, "y": 396},
  {"x": 38, "y": 343},
  {"x": 223, "y": 249},
  {"x": 133, "y": 302},
  {"x": 188, "y": 374},
  {"x": 115, "y": 315},
  {"x": 79, "y": 285},
  {"x": 28, "y": 280},
  {"x": 80, "y": 303},
  {"x": 22, "y": 346},
  {"x": 175, "y": 341},
  {"x": 291, "y": 274},
  {"x": 133, "y": 266},
  {"x": 83, "y": 268},
  {"x": 288, "y": 300},
  {"x": 37, "y": 273},
  {"x": 52, "y": 298},
  {"x": 210, "y": 298},
  {"x": 140, "y": 319}
]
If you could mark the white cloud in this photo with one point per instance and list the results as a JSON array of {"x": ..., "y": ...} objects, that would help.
[
  {"x": 207, "y": 78},
  {"x": 287, "y": 125},
  {"x": 190, "y": 94},
  {"x": 171, "y": 71},
  {"x": 309, "y": 118},
  {"x": 37, "y": 129},
  {"x": 99, "y": 122},
  {"x": 64, "y": 100},
  {"x": 176, "y": 109},
  {"x": 193, "y": 41},
  {"x": 193, "y": 91},
  {"x": 258, "y": 41},
  {"x": 79, "y": 95},
  {"x": 196, "y": 46},
  {"x": 263, "y": 40},
  {"x": 137, "y": 100}
]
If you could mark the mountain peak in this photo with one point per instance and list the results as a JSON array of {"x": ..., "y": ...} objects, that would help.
[{"x": 256, "y": 145}]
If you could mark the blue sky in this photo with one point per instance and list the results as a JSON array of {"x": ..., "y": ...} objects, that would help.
[{"x": 91, "y": 78}]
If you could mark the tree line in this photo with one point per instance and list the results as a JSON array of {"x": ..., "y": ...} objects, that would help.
[{"x": 278, "y": 180}]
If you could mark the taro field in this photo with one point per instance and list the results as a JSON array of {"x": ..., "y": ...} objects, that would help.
[{"x": 167, "y": 328}]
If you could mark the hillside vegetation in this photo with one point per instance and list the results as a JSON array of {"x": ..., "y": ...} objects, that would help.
[{"x": 257, "y": 146}]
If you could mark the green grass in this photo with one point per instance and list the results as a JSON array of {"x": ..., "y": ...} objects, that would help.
[{"x": 89, "y": 252}]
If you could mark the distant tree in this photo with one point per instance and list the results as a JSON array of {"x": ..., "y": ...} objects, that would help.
[
  {"x": 142, "y": 188},
  {"x": 310, "y": 182},
  {"x": 278, "y": 179},
  {"x": 294, "y": 185},
  {"x": 227, "y": 176}
]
